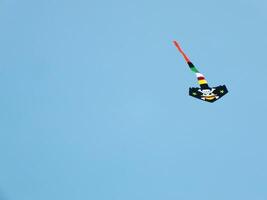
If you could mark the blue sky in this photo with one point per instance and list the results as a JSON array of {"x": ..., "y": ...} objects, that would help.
[{"x": 94, "y": 100}]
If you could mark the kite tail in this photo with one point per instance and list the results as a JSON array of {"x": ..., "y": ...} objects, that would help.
[{"x": 200, "y": 77}]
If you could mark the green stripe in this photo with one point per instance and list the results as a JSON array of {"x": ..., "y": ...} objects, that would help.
[{"x": 194, "y": 69}]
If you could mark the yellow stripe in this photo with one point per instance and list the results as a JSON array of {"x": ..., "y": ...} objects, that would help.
[{"x": 200, "y": 82}]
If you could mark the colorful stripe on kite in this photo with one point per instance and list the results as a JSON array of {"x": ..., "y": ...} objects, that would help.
[{"x": 200, "y": 77}]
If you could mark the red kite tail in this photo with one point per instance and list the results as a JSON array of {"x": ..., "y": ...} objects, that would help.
[{"x": 181, "y": 51}]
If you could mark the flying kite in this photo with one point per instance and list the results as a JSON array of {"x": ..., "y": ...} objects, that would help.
[{"x": 204, "y": 92}]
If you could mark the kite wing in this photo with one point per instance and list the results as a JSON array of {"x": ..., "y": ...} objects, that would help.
[{"x": 212, "y": 95}]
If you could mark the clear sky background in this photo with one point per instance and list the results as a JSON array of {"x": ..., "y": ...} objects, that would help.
[{"x": 94, "y": 100}]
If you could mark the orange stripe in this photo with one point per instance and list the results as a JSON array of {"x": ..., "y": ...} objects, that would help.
[{"x": 181, "y": 51}]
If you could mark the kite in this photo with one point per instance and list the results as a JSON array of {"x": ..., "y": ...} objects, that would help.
[{"x": 204, "y": 92}]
